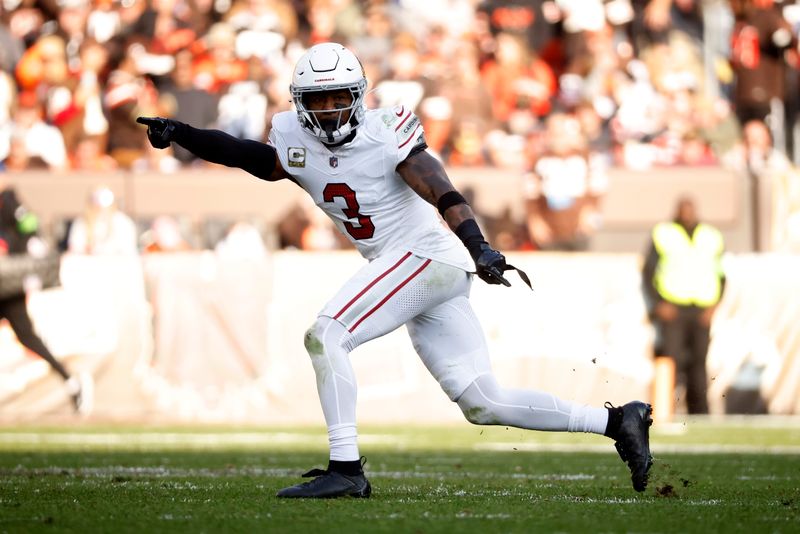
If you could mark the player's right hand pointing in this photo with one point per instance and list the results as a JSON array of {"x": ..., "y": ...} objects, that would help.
[{"x": 160, "y": 131}]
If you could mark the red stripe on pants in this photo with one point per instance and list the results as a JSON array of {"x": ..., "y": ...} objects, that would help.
[
  {"x": 387, "y": 297},
  {"x": 378, "y": 279}
]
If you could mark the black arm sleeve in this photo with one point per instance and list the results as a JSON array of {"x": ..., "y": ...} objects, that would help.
[{"x": 218, "y": 147}]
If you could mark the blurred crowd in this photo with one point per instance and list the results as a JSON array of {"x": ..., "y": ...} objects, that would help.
[{"x": 558, "y": 89}]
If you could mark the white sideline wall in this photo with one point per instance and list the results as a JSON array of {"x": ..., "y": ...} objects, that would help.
[{"x": 193, "y": 338}]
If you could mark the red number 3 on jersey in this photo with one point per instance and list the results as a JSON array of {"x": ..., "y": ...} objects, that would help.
[{"x": 365, "y": 228}]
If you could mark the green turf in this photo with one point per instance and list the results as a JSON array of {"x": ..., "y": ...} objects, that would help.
[{"x": 453, "y": 479}]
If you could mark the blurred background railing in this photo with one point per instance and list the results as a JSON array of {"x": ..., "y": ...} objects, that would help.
[{"x": 206, "y": 202}]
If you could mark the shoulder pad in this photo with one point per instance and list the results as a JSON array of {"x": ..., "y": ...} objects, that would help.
[
  {"x": 407, "y": 127},
  {"x": 284, "y": 120}
]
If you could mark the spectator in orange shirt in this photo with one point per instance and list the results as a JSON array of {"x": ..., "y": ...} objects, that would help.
[
  {"x": 518, "y": 80},
  {"x": 218, "y": 66}
]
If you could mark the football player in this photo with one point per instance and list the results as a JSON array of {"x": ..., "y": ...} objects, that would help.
[
  {"x": 18, "y": 229},
  {"x": 370, "y": 172}
]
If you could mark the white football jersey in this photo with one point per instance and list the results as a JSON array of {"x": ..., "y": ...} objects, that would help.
[{"x": 357, "y": 186}]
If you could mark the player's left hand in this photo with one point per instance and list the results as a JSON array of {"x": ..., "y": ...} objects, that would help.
[{"x": 490, "y": 266}]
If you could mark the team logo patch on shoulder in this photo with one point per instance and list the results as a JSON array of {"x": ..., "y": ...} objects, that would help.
[
  {"x": 388, "y": 120},
  {"x": 297, "y": 157}
]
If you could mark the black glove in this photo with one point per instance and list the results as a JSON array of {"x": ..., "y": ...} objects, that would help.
[
  {"x": 490, "y": 265},
  {"x": 160, "y": 131}
]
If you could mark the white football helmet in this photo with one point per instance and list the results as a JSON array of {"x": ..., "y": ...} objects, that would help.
[{"x": 329, "y": 67}]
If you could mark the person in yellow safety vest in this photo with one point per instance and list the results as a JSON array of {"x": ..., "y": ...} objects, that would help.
[{"x": 683, "y": 282}]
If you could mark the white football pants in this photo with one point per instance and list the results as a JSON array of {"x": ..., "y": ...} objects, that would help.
[{"x": 431, "y": 299}]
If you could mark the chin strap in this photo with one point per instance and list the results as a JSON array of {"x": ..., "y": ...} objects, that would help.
[{"x": 329, "y": 133}]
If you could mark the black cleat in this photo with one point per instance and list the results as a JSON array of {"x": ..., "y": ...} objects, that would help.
[
  {"x": 328, "y": 485},
  {"x": 633, "y": 441}
]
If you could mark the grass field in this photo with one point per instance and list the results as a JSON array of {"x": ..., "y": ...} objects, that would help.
[{"x": 735, "y": 476}]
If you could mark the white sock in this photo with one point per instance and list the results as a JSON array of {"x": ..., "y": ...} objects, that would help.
[
  {"x": 343, "y": 442},
  {"x": 336, "y": 385},
  {"x": 585, "y": 418}
]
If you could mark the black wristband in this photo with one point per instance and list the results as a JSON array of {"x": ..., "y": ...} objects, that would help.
[
  {"x": 470, "y": 234},
  {"x": 448, "y": 200}
]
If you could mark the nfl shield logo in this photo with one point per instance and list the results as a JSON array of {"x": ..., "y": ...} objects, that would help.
[{"x": 334, "y": 161}]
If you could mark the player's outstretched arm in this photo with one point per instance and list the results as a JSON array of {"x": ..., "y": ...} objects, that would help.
[
  {"x": 425, "y": 175},
  {"x": 259, "y": 159}
]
